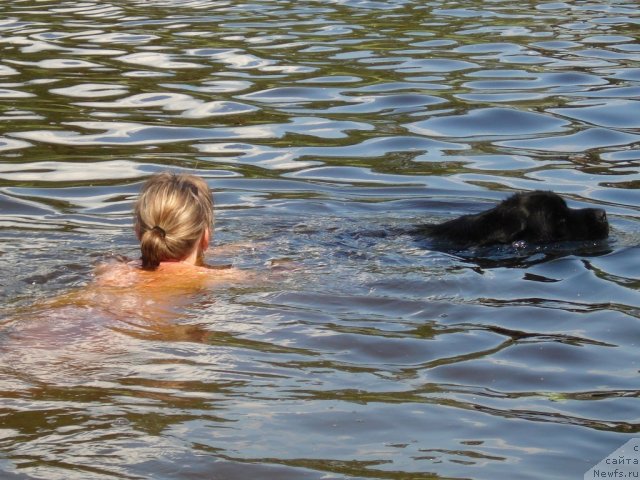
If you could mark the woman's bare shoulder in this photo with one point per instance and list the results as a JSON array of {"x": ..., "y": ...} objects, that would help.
[
  {"x": 168, "y": 274},
  {"x": 208, "y": 274},
  {"x": 117, "y": 273}
]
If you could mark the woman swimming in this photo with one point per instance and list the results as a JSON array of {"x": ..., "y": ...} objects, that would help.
[
  {"x": 148, "y": 299},
  {"x": 173, "y": 220}
]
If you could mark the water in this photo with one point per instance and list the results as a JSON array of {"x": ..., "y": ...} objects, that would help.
[{"x": 325, "y": 129}]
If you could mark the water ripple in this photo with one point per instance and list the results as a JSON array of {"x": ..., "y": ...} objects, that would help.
[
  {"x": 136, "y": 134},
  {"x": 612, "y": 114},
  {"x": 578, "y": 142},
  {"x": 490, "y": 121}
]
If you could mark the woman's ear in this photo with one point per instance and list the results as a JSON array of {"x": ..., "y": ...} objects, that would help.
[{"x": 206, "y": 238}]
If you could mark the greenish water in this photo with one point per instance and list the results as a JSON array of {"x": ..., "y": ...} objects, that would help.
[{"x": 325, "y": 129}]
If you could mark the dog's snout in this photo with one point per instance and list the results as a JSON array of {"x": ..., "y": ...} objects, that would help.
[{"x": 601, "y": 215}]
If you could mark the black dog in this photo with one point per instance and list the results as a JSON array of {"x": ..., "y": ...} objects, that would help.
[{"x": 537, "y": 217}]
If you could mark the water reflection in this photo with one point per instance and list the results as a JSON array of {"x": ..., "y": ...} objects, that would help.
[{"x": 326, "y": 130}]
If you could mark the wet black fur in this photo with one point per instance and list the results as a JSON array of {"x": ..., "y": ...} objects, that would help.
[{"x": 538, "y": 216}]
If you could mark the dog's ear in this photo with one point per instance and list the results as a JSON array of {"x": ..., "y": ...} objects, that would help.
[{"x": 502, "y": 225}]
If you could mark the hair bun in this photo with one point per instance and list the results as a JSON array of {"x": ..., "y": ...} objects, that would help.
[{"x": 160, "y": 231}]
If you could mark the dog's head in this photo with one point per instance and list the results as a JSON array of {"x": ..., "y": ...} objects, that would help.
[{"x": 545, "y": 217}]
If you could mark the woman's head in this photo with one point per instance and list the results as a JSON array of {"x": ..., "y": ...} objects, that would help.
[{"x": 173, "y": 218}]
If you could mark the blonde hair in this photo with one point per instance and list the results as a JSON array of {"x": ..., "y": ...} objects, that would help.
[{"x": 172, "y": 214}]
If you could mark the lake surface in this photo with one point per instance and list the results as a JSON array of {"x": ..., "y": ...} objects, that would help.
[{"x": 326, "y": 130}]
